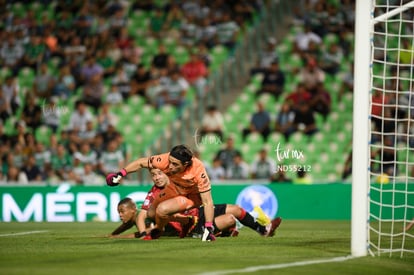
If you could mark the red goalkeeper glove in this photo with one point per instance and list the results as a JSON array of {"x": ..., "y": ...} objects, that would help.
[
  {"x": 208, "y": 235},
  {"x": 113, "y": 179}
]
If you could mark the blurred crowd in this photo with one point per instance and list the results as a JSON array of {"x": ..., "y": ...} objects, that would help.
[
  {"x": 87, "y": 58},
  {"x": 321, "y": 45}
]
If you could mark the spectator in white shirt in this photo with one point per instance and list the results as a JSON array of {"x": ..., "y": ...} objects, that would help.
[
  {"x": 114, "y": 97},
  {"x": 87, "y": 155},
  {"x": 10, "y": 90},
  {"x": 239, "y": 169},
  {"x": 311, "y": 75},
  {"x": 216, "y": 171},
  {"x": 263, "y": 167},
  {"x": 111, "y": 159},
  {"x": 51, "y": 114},
  {"x": 304, "y": 39},
  {"x": 80, "y": 117},
  {"x": 11, "y": 54},
  {"x": 213, "y": 123},
  {"x": 176, "y": 90},
  {"x": 89, "y": 177}
]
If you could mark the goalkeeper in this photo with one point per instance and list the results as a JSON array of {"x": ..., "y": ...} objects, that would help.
[{"x": 190, "y": 188}]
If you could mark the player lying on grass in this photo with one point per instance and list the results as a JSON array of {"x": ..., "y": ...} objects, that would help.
[
  {"x": 190, "y": 187},
  {"x": 225, "y": 216},
  {"x": 224, "y": 221}
]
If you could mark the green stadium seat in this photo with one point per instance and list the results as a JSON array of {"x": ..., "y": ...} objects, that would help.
[
  {"x": 26, "y": 77},
  {"x": 276, "y": 138},
  {"x": 268, "y": 100},
  {"x": 125, "y": 111},
  {"x": 137, "y": 119},
  {"x": 136, "y": 102},
  {"x": 168, "y": 111},
  {"x": 318, "y": 137},
  {"x": 246, "y": 98},
  {"x": 256, "y": 81},
  {"x": 294, "y": 62},
  {"x": 254, "y": 141},
  {"x": 18, "y": 9},
  {"x": 298, "y": 139},
  {"x": 148, "y": 112},
  {"x": 169, "y": 42},
  {"x": 42, "y": 134},
  {"x": 219, "y": 54},
  {"x": 234, "y": 109},
  {"x": 249, "y": 153},
  {"x": 330, "y": 38},
  {"x": 181, "y": 54}
]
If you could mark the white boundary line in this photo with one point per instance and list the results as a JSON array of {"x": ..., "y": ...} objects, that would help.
[
  {"x": 23, "y": 233},
  {"x": 277, "y": 266}
]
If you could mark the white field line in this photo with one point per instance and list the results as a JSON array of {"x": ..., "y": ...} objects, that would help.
[
  {"x": 23, "y": 233},
  {"x": 277, "y": 266}
]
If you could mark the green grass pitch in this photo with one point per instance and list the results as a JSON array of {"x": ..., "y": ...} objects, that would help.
[{"x": 80, "y": 248}]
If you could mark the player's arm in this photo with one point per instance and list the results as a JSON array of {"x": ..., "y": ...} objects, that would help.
[
  {"x": 122, "y": 228},
  {"x": 125, "y": 226},
  {"x": 126, "y": 236},
  {"x": 207, "y": 201},
  {"x": 113, "y": 179},
  {"x": 137, "y": 164},
  {"x": 204, "y": 187},
  {"x": 140, "y": 222}
]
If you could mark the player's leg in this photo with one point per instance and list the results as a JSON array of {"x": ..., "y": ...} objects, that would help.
[
  {"x": 167, "y": 193},
  {"x": 245, "y": 218},
  {"x": 225, "y": 222},
  {"x": 166, "y": 209},
  {"x": 188, "y": 221},
  {"x": 248, "y": 220}
]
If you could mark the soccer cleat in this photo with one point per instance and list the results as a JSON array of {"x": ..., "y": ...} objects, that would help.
[
  {"x": 271, "y": 227},
  {"x": 187, "y": 228},
  {"x": 262, "y": 218},
  {"x": 234, "y": 233},
  {"x": 231, "y": 232},
  {"x": 147, "y": 238},
  {"x": 153, "y": 235}
]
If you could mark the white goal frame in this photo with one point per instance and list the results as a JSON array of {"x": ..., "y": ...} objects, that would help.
[{"x": 364, "y": 26}]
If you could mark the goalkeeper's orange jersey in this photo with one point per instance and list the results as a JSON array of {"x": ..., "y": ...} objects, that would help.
[{"x": 194, "y": 179}]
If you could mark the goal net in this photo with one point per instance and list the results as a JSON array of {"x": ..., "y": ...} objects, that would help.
[{"x": 391, "y": 134}]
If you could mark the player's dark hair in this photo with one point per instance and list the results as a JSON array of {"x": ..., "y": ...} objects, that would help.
[
  {"x": 183, "y": 154},
  {"x": 127, "y": 201}
]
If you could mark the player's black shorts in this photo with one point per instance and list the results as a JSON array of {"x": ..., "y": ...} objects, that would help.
[{"x": 219, "y": 209}]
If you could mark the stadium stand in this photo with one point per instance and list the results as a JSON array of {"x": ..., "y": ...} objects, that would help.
[
  {"x": 116, "y": 34},
  {"x": 77, "y": 30}
]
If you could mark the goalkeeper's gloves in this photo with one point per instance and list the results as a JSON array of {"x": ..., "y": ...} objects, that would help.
[
  {"x": 208, "y": 235},
  {"x": 113, "y": 179}
]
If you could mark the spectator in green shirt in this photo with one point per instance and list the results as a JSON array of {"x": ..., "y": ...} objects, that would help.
[
  {"x": 61, "y": 162},
  {"x": 34, "y": 52}
]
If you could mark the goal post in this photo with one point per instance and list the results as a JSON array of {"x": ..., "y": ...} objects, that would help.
[
  {"x": 361, "y": 123},
  {"x": 383, "y": 129}
]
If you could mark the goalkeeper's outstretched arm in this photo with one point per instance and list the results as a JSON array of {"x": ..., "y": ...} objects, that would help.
[
  {"x": 137, "y": 164},
  {"x": 113, "y": 179}
]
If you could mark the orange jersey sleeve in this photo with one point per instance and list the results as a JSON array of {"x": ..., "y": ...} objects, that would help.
[{"x": 200, "y": 176}]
